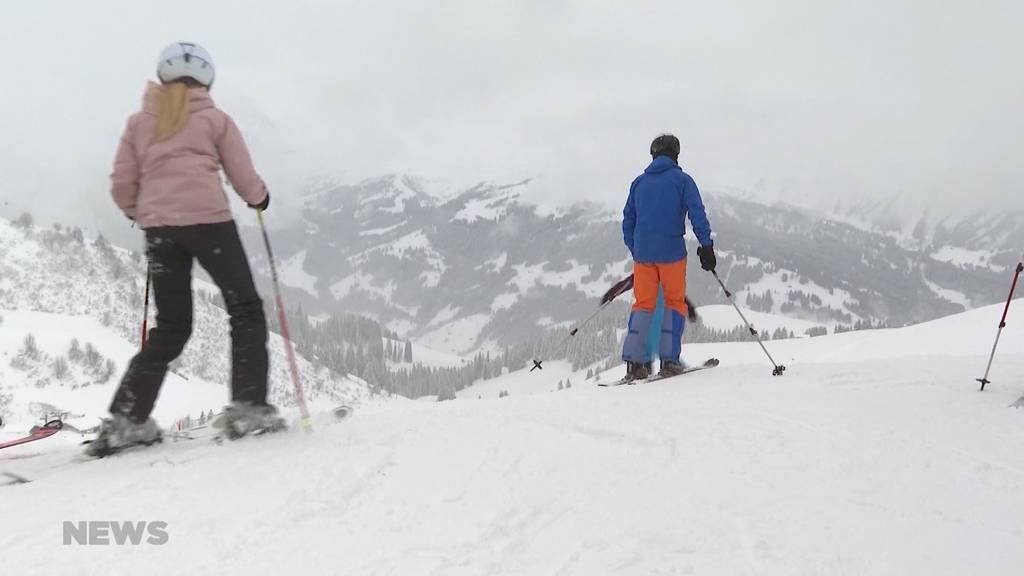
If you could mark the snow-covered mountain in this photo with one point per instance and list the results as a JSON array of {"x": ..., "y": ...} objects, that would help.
[
  {"x": 70, "y": 316},
  {"x": 874, "y": 454},
  {"x": 461, "y": 270}
]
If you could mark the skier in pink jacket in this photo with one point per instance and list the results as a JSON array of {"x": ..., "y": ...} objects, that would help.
[{"x": 167, "y": 179}]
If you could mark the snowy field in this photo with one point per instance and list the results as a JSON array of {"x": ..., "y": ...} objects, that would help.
[
  {"x": 875, "y": 454},
  {"x": 179, "y": 396},
  {"x": 724, "y": 317}
]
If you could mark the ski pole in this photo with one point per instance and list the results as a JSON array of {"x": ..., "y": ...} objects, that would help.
[
  {"x": 779, "y": 368},
  {"x": 300, "y": 396},
  {"x": 618, "y": 289},
  {"x": 145, "y": 306},
  {"x": 537, "y": 363},
  {"x": 626, "y": 284},
  {"x": 1002, "y": 323}
]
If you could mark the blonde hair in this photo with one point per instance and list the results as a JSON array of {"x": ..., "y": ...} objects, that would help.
[{"x": 173, "y": 113}]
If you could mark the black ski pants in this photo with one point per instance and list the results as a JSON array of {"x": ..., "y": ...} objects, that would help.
[{"x": 171, "y": 250}]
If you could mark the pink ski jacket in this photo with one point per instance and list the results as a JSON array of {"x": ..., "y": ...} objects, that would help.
[{"x": 176, "y": 182}]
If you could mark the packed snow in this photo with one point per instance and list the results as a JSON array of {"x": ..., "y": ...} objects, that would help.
[{"x": 874, "y": 454}]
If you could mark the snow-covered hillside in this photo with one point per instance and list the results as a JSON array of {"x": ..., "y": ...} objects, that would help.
[
  {"x": 724, "y": 317},
  {"x": 875, "y": 454},
  {"x": 80, "y": 390},
  {"x": 66, "y": 292},
  {"x": 483, "y": 267}
]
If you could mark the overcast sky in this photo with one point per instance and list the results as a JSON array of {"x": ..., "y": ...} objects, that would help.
[{"x": 802, "y": 100}]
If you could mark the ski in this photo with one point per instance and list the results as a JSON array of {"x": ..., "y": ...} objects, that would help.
[
  {"x": 14, "y": 479},
  {"x": 123, "y": 448},
  {"x": 207, "y": 433},
  {"x": 709, "y": 363},
  {"x": 36, "y": 433},
  {"x": 214, "y": 427},
  {"x": 621, "y": 382}
]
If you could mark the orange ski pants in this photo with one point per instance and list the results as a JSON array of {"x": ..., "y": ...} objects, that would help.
[{"x": 671, "y": 276}]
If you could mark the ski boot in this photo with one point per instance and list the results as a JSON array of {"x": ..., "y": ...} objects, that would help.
[
  {"x": 670, "y": 368},
  {"x": 120, "y": 432},
  {"x": 636, "y": 371},
  {"x": 242, "y": 418}
]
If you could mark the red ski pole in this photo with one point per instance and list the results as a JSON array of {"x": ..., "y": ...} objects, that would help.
[
  {"x": 300, "y": 396},
  {"x": 1002, "y": 323}
]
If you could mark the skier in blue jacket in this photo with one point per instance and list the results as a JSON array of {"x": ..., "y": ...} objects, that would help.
[{"x": 653, "y": 225}]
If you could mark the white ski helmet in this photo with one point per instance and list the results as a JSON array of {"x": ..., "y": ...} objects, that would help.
[{"x": 185, "y": 60}]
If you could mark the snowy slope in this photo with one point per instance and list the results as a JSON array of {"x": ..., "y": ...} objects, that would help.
[
  {"x": 724, "y": 317},
  {"x": 875, "y": 454},
  {"x": 967, "y": 334},
  {"x": 179, "y": 396},
  {"x": 59, "y": 286}
]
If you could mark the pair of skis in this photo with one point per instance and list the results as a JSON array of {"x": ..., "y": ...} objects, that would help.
[
  {"x": 339, "y": 413},
  {"x": 709, "y": 363}
]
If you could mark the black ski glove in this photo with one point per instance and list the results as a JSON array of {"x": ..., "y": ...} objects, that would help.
[
  {"x": 262, "y": 206},
  {"x": 707, "y": 257}
]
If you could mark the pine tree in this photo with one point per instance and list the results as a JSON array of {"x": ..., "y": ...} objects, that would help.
[
  {"x": 108, "y": 371},
  {"x": 25, "y": 221},
  {"x": 92, "y": 356},
  {"x": 29, "y": 347},
  {"x": 61, "y": 370},
  {"x": 75, "y": 352}
]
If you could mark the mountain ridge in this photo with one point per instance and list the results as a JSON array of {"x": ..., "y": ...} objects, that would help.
[{"x": 482, "y": 266}]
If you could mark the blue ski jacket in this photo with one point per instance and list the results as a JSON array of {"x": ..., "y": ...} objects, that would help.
[{"x": 653, "y": 221}]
